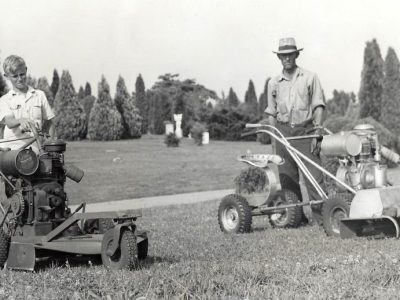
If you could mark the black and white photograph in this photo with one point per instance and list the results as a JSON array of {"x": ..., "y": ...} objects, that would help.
[{"x": 209, "y": 149}]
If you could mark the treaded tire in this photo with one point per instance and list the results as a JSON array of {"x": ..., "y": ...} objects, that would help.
[
  {"x": 287, "y": 183},
  {"x": 334, "y": 209},
  {"x": 292, "y": 216},
  {"x": 5, "y": 240},
  {"x": 234, "y": 214},
  {"x": 126, "y": 256}
]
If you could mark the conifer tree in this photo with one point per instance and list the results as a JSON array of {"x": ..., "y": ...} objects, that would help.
[
  {"x": 371, "y": 88},
  {"x": 3, "y": 86},
  {"x": 142, "y": 103},
  {"x": 233, "y": 100},
  {"x": 45, "y": 87},
  {"x": 70, "y": 120},
  {"x": 105, "y": 120},
  {"x": 81, "y": 93},
  {"x": 250, "y": 99},
  {"x": 131, "y": 119},
  {"x": 391, "y": 93},
  {"x": 263, "y": 102},
  {"x": 88, "y": 89},
  {"x": 55, "y": 83}
]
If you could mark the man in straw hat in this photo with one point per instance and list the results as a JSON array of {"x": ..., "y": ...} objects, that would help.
[{"x": 295, "y": 106}]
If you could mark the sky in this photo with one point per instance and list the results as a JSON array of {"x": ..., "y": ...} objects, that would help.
[{"x": 219, "y": 43}]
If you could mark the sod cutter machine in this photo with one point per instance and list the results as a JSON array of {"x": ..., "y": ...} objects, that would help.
[
  {"x": 37, "y": 223},
  {"x": 362, "y": 203}
]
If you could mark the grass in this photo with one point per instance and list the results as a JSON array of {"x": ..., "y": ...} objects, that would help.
[{"x": 147, "y": 167}]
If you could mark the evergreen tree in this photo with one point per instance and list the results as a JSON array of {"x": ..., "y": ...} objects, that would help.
[
  {"x": 233, "y": 100},
  {"x": 3, "y": 86},
  {"x": 263, "y": 102},
  {"x": 81, "y": 93},
  {"x": 55, "y": 83},
  {"x": 142, "y": 103},
  {"x": 45, "y": 87},
  {"x": 391, "y": 93},
  {"x": 250, "y": 99},
  {"x": 31, "y": 81},
  {"x": 105, "y": 120},
  {"x": 70, "y": 120},
  {"x": 339, "y": 103},
  {"x": 371, "y": 88},
  {"x": 87, "y": 103},
  {"x": 131, "y": 119},
  {"x": 88, "y": 89}
]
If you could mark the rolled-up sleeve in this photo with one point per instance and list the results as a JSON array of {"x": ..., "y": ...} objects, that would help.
[
  {"x": 271, "y": 108},
  {"x": 316, "y": 92}
]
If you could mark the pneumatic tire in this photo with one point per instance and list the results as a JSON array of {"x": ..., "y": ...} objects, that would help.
[
  {"x": 290, "y": 217},
  {"x": 5, "y": 241},
  {"x": 334, "y": 209},
  {"x": 234, "y": 214}
]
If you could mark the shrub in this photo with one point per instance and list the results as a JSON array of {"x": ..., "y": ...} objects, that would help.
[
  {"x": 197, "y": 131},
  {"x": 171, "y": 140},
  {"x": 335, "y": 123},
  {"x": 264, "y": 138},
  {"x": 250, "y": 180}
]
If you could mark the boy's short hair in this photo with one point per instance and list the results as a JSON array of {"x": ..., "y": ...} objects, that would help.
[{"x": 12, "y": 63}]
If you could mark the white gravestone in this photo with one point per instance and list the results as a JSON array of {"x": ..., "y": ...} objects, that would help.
[
  {"x": 206, "y": 138},
  {"x": 169, "y": 128},
  {"x": 178, "y": 124}
]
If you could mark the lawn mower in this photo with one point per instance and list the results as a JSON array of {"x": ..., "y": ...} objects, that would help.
[
  {"x": 36, "y": 222},
  {"x": 362, "y": 203}
]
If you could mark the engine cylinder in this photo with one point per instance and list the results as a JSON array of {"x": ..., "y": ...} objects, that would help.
[
  {"x": 73, "y": 173},
  {"x": 341, "y": 144}
]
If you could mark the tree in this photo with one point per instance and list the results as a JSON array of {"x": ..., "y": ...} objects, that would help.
[
  {"x": 142, "y": 103},
  {"x": 70, "y": 120},
  {"x": 55, "y": 83},
  {"x": 81, "y": 93},
  {"x": 391, "y": 92},
  {"x": 104, "y": 120},
  {"x": 45, "y": 87},
  {"x": 233, "y": 100},
  {"x": 131, "y": 119},
  {"x": 88, "y": 89},
  {"x": 87, "y": 103},
  {"x": 3, "y": 86},
  {"x": 339, "y": 103},
  {"x": 250, "y": 99},
  {"x": 371, "y": 88},
  {"x": 263, "y": 101}
]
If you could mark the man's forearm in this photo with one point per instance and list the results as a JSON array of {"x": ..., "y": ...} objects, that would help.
[
  {"x": 318, "y": 115},
  {"x": 52, "y": 131}
]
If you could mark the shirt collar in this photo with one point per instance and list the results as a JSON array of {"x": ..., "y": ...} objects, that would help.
[
  {"x": 298, "y": 72},
  {"x": 30, "y": 91}
]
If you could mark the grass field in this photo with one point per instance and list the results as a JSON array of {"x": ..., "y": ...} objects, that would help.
[
  {"x": 189, "y": 257},
  {"x": 146, "y": 167}
]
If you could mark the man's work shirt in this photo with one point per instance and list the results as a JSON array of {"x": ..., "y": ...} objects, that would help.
[
  {"x": 33, "y": 106},
  {"x": 293, "y": 101}
]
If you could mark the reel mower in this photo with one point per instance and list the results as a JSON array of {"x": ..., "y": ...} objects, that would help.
[
  {"x": 37, "y": 223},
  {"x": 363, "y": 202}
]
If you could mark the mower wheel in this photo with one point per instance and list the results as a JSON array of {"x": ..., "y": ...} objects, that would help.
[
  {"x": 126, "y": 256},
  {"x": 290, "y": 217},
  {"x": 5, "y": 240},
  {"x": 333, "y": 210},
  {"x": 234, "y": 214}
]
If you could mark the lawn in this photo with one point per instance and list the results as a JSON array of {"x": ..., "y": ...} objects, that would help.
[{"x": 147, "y": 167}]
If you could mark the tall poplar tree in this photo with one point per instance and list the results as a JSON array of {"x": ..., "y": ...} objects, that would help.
[
  {"x": 55, "y": 83},
  {"x": 70, "y": 120},
  {"x": 371, "y": 88},
  {"x": 105, "y": 120},
  {"x": 391, "y": 93},
  {"x": 233, "y": 100},
  {"x": 250, "y": 99},
  {"x": 45, "y": 87},
  {"x": 88, "y": 89},
  {"x": 131, "y": 119},
  {"x": 142, "y": 103},
  {"x": 263, "y": 102}
]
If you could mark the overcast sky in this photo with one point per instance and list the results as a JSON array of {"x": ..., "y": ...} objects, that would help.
[{"x": 221, "y": 44}]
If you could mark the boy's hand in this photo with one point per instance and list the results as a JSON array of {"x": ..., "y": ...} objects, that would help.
[{"x": 26, "y": 124}]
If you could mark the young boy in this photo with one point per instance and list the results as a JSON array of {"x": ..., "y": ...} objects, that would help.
[{"x": 22, "y": 106}]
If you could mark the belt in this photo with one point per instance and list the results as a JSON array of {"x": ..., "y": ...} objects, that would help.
[{"x": 293, "y": 125}]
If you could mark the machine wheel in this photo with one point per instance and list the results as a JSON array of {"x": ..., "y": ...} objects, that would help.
[
  {"x": 234, "y": 214},
  {"x": 333, "y": 210},
  {"x": 5, "y": 240},
  {"x": 287, "y": 183},
  {"x": 126, "y": 256},
  {"x": 291, "y": 217}
]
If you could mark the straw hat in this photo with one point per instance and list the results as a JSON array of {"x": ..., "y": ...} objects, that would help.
[{"x": 287, "y": 45}]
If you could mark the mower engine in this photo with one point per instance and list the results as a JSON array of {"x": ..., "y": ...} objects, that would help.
[{"x": 35, "y": 188}]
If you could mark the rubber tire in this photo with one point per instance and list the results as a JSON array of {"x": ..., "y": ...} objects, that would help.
[
  {"x": 239, "y": 219},
  {"x": 334, "y": 209},
  {"x": 5, "y": 241},
  {"x": 143, "y": 248},
  {"x": 126, "y": 256},
  {"x": 287, "y": 183},
  {"x": 293, "y": 215}
]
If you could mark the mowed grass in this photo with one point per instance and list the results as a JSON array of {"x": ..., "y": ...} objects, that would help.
[
  {"x": 147, "y": 167},
  {"x": 189, "y": 258}
]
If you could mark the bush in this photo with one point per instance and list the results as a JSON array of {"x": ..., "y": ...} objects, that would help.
[
  {"x": 197, "y": 131},
  {"x": 171, "y": 140},
  {"x": 251, "y": 180},
  {"x": 335, "y": 123},
  {"x": 264, "y": 138}
]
